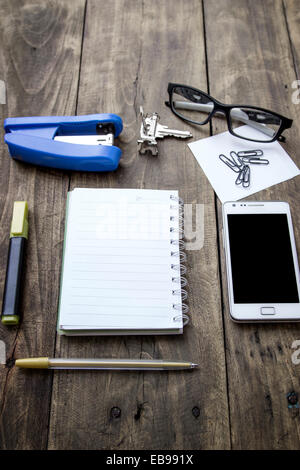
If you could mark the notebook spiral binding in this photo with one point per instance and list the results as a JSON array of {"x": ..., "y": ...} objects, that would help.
[{"x": 178, "y": 253}]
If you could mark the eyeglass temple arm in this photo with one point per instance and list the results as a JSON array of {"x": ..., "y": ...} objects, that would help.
[{"x": 235, "y": 114}]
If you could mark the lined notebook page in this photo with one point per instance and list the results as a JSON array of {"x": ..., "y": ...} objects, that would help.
[{"x": 118, "y": 270}]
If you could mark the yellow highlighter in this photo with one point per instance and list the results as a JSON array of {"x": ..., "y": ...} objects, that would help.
[{"x": 13, "y": 281}]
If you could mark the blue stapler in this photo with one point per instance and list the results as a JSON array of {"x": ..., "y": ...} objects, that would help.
[{"x": 83, "y": 143}]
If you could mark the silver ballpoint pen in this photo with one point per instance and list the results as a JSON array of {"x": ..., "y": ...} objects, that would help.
[{"x": 102, "y": 364}]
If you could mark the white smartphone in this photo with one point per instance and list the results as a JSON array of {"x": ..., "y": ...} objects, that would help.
[{"x": 261, "y": 262}]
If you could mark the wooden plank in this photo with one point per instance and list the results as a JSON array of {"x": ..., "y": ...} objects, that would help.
[
  {"x": 250, "y": 61},
  {"x": 292, "y": 15},
  {"x": 39, "y": 57},
  {"x": 131, "y": 50}
]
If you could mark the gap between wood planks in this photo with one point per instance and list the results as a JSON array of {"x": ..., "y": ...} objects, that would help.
[
  {"x": 69, "y": 187},
  {"x": 218, "y": 239}
]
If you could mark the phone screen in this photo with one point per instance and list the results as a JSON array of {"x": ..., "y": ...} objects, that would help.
[{"x": 261, "y": 259}]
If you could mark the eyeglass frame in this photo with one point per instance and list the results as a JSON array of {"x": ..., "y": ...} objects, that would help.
[{"x": 225, "y": 109}]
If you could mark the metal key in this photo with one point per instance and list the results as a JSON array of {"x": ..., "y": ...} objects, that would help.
[
  {"x": 151, "y": 130},
  {"x": 163, "y": 131}
]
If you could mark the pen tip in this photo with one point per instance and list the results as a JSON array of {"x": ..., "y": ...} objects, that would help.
[{"x": 194, "y": 365}]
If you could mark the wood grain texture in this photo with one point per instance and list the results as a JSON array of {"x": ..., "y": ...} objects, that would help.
[
  {"x": 131, "y": 50},
  {"x": 39, "y": 55},
  {"x": 250, "y": 61},
  {"x": 291, "y": 9}
]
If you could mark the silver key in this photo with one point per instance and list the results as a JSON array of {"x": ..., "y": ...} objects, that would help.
[
  {"x": 151, "y": 130},
  {"x": 163, "y": 131}
]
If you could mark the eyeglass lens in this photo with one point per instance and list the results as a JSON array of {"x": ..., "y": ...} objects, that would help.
[
  {"x": 191, "y": 104},
  {"x": 267, "y": 123}
]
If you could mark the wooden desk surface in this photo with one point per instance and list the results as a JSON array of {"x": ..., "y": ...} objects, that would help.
[{"x": 81, "y": 57}]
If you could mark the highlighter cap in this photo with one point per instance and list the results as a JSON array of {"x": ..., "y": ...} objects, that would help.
[
  {"x": 19, "y": 223},
  {"x": 10, "y": 319}
]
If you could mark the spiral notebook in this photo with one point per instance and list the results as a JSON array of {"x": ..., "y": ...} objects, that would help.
[{"x": 122, "y": 270}]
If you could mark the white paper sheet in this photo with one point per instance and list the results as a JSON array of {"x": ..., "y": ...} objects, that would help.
[{"x": 222, "y": 178}]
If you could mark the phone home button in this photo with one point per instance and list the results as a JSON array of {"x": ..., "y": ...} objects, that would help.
[{"x": 267, "y": 311}]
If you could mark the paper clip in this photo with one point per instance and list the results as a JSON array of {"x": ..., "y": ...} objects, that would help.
[
  {"x": 250, "y": 153},
  {"x": 255, "y": 160},
  {"x": 240, "y": 178},
  {"x": 236, "y": 159},
  {"x": 235, "y": 163},
  {"x": 244, "y": 177},
  {"x": 231, "y": 164}
]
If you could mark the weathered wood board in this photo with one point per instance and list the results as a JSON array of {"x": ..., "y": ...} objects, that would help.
[{"x": 89, "y": 56}]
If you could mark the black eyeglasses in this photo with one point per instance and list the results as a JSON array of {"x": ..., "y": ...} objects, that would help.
[{"x": 198, "y": 107}]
